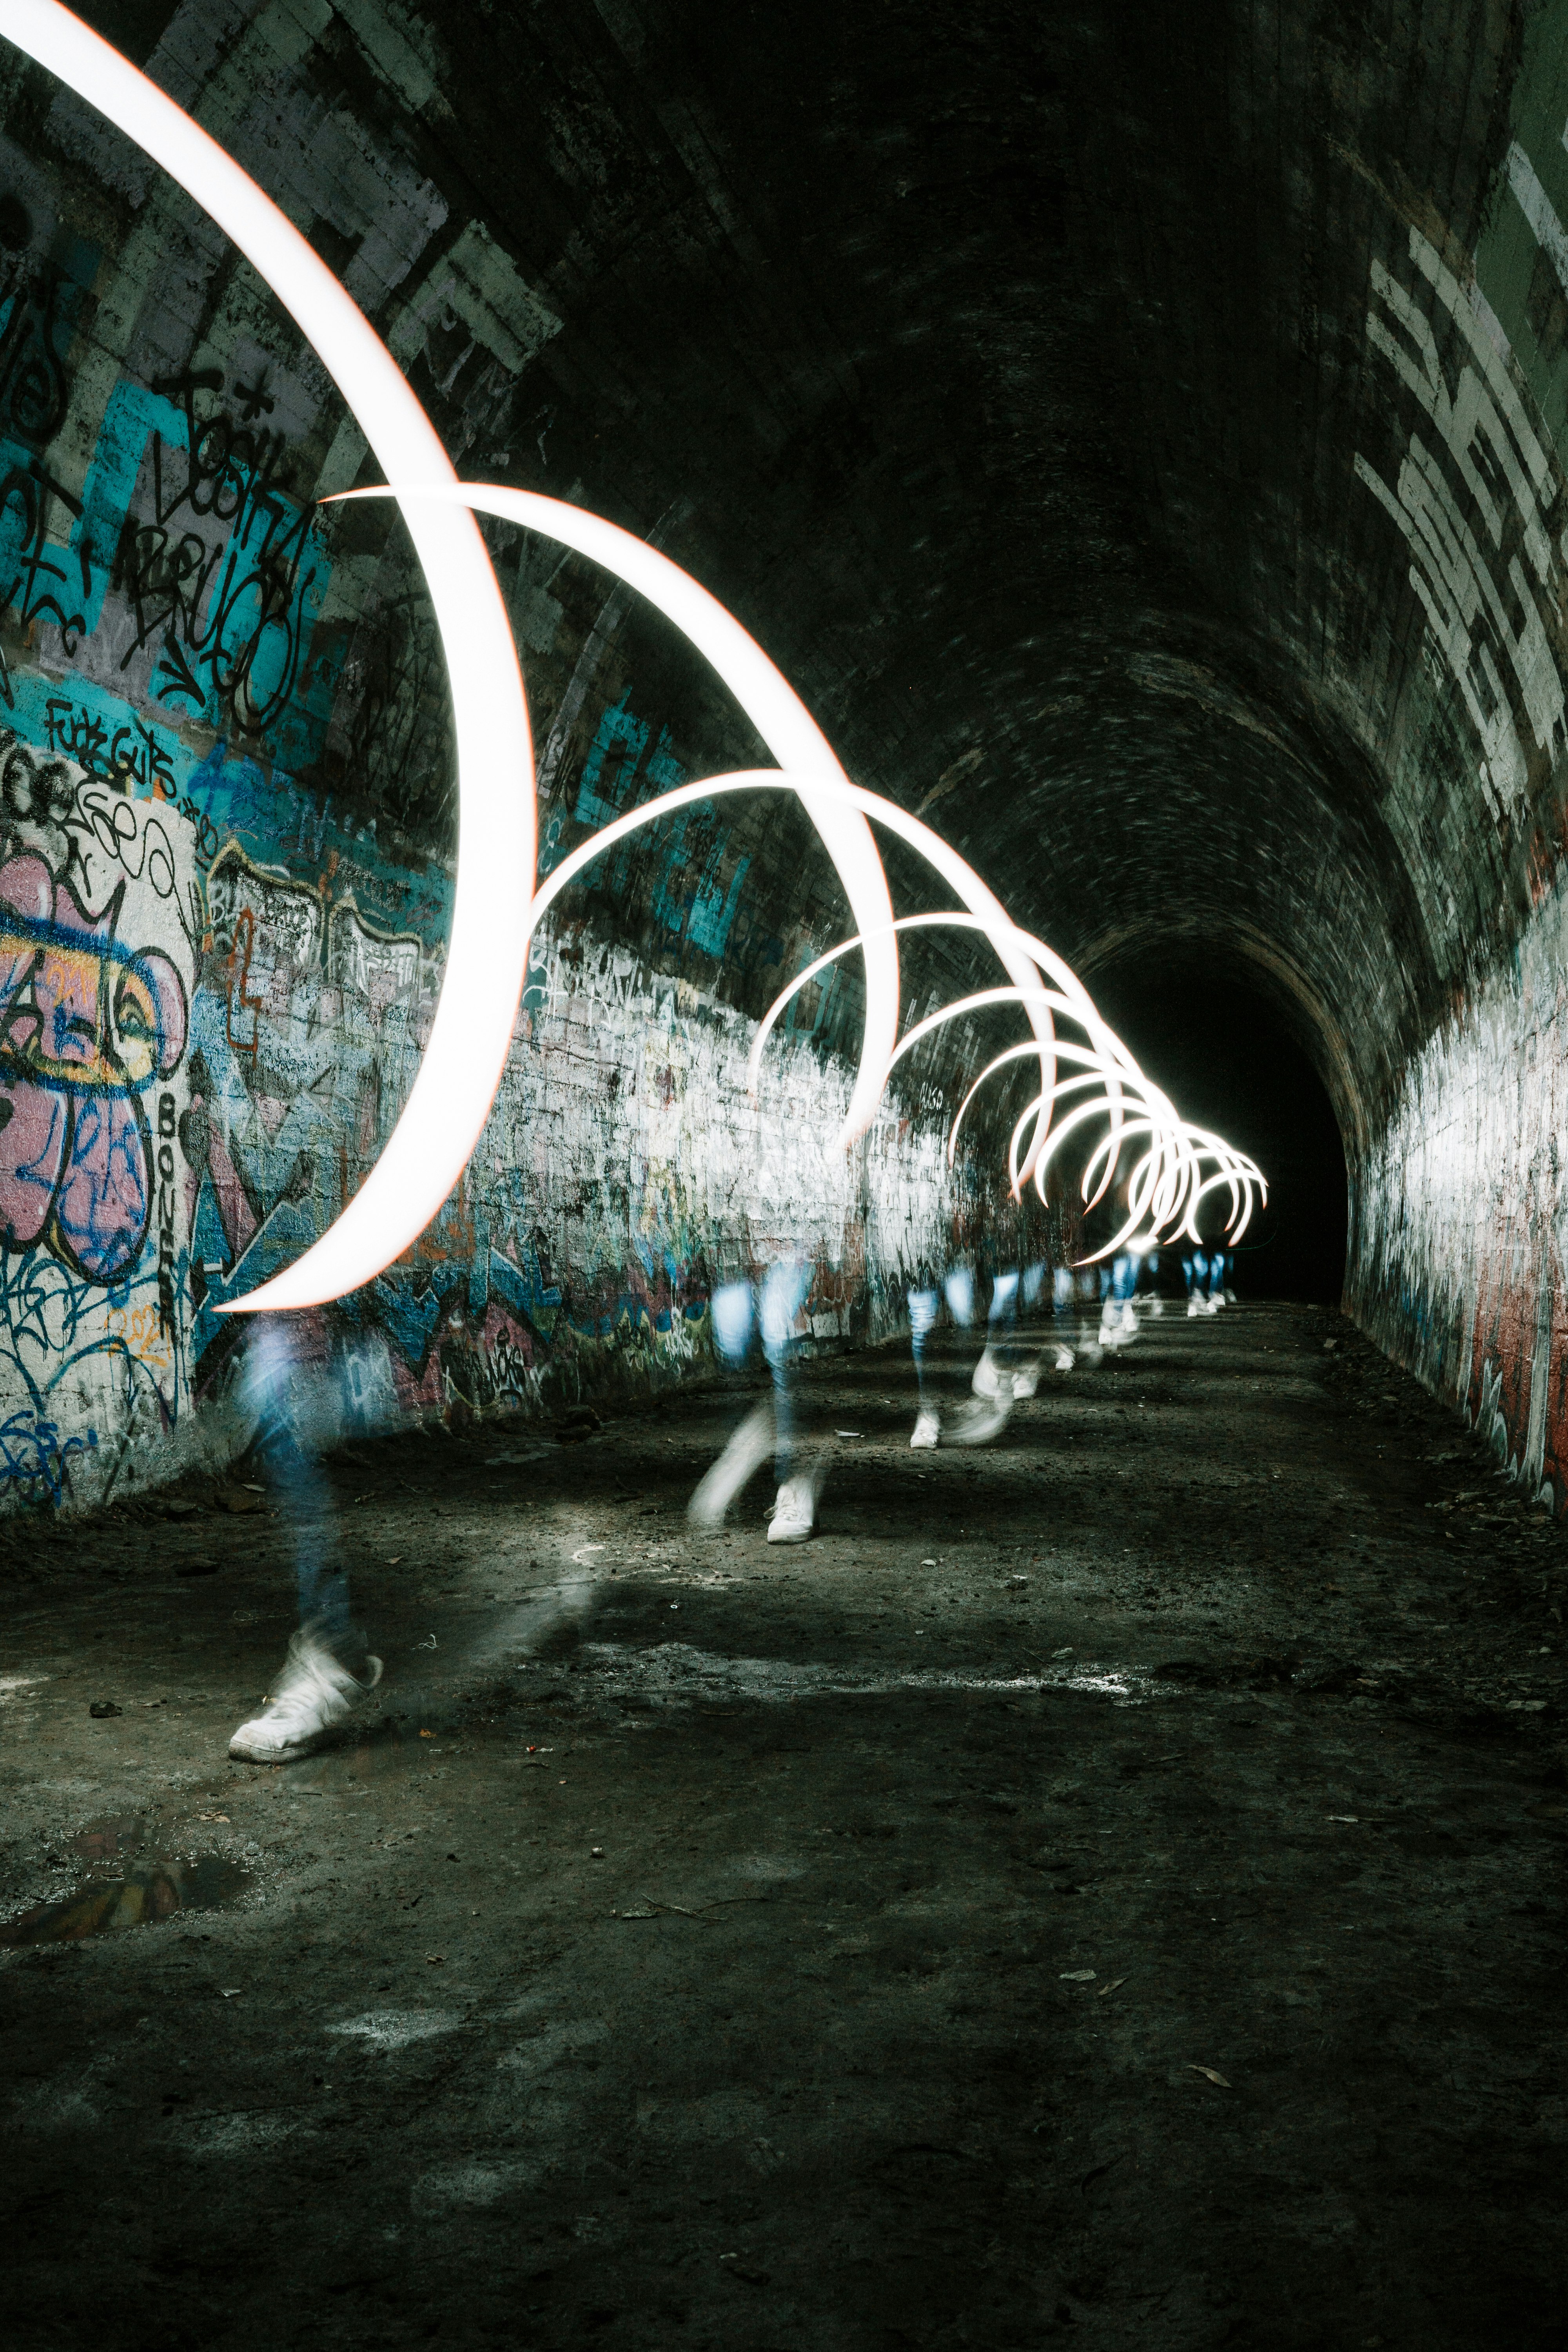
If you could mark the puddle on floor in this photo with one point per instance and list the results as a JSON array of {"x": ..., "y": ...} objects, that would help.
[{"x": 159, "y": 1886}]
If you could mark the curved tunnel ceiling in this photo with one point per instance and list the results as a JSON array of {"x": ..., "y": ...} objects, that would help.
[{"x": 1061, "y": 395}]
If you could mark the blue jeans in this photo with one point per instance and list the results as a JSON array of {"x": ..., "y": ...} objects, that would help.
[
  {"x": 786, "y": 1287},
  {"x": 269, "y": 1392}
]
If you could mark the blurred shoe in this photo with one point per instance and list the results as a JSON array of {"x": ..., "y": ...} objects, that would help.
[
  {"x": 314, "y": 1692},
  {"x": 1194, "y": 1304},
  {"x": 987, "y": 1380},
  {"x": 795, "y": 1513},
  {"x": 1128, "y": 1322},
  {"x": 1155, "y": 1303},
  {"x": 928, "y": 1429},
  {"x": 977, "y": 1423},
  {"x": 1229, "y": 1296},
  {"x": 1026, "y": 1380},
  {"x": 747, "y": 1450},
  {"x": 1064, "y": 1359}
]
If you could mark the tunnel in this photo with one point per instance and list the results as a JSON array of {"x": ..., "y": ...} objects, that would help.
[{"x": 1104, "y": 1881}]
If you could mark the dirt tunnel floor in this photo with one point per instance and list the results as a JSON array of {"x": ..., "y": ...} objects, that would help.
[{"x": 1106, "y": 1887}]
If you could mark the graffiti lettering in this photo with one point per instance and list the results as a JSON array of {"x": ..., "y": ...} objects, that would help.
[
  {"x": 25, "y": 495},
  {"x": 143, "y": 850},
  {"x": 227, "y": 608},
  {"x": 131, "y": 759},
  {"x": 167, "y": 1124},
  {"x": 33, "y": 392}
]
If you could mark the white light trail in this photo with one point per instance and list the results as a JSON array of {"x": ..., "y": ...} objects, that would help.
[
  {"x": 487, "y": 951},
  {"x": 496, "y": 907}
]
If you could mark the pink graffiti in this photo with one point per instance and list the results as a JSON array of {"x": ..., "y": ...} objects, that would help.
[{"x": 85, "y": 1027}]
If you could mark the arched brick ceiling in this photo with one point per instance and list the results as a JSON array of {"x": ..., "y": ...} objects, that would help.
[{"x": 1007, "y": 368}]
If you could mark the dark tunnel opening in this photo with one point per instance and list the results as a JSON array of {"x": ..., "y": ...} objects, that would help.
[{"x": 1207, "y": 1033}]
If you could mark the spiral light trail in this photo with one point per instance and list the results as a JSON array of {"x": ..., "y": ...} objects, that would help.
[{"x": 496, "y": 910}]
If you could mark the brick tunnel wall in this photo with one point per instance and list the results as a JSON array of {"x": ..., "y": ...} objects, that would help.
[
  {"x": 227, "y": 839},
  {"x": 1457, "y": 1201}
]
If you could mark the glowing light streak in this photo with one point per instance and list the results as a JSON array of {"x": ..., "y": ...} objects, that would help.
[
  {"x": 496, "y": 907},
  {"x": 487, "y": 951},
  {"x": 769, "y": 701}
]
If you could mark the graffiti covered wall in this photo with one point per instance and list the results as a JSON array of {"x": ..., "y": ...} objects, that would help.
[
  {"x": 1458, "y": 1237},
  {"x": 1460, "y": 1190},
  {"x": 201, "y": 1057},
  {"x": 227, "y": 831}
]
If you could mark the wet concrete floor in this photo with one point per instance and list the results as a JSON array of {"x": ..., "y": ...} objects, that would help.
[{"x": 1106, "y": 1887}]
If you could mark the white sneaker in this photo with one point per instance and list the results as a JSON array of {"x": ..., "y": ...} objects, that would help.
[
  {"x": 1229, "y": 1298},
  {"x": 747, "y": 1450},
  {"x": 928, "y": 1429},
  {"x": 1155, "y": 1303},
  {"x": 987, "y": 1380},
  {"x": 313, "y": 1693},
  {"x": 1211, "y": 1305},
  {"x": 1195, "y": 1305},
  {"x": 1064, "y": 1359},
  {"x": 1129, "y": 1322},
  {"x": 1026, "y": 1380},
  {"x": 795, "y": 1513},
  {"x": 977, "y": 1423}
]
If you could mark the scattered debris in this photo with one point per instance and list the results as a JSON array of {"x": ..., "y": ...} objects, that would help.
[
  {"x": 1075, "y": 1976},
  {"x": 239, "y": 1498},
  {"x": 1111, "y": 1987},
  {"x": 581, "y": 1421},
  {"x": 102, "y": 1707},
  {"x": 1208, "y": 2072}
]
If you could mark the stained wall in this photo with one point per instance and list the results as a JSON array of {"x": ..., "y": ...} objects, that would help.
[{"x": 1458, "y": 1188}]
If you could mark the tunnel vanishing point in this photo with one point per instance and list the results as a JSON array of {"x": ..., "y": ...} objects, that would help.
[{"x": 1106, "y": 1887}]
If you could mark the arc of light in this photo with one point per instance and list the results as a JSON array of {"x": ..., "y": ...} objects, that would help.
[
  {"x": 1241, "y": 1208},
  {"x": 981, "y": 1001},
  {"x": 486, "y": 955},
  {"x": 766, "y": 697},
  {"x": 1137, "y": 1203},
  {"x": 1074, "y": 1001},
  {"x": 797, "y": 742},
  {"x": 1126, "y": 1074},
  {"x": 1122, "y": 1074},
  {"x": 998, "y": 928},
  {"x": 1076, "y": 1118},
  {"x": 845, "y": 946},
  {"x": 1159, "y": 1181}
]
